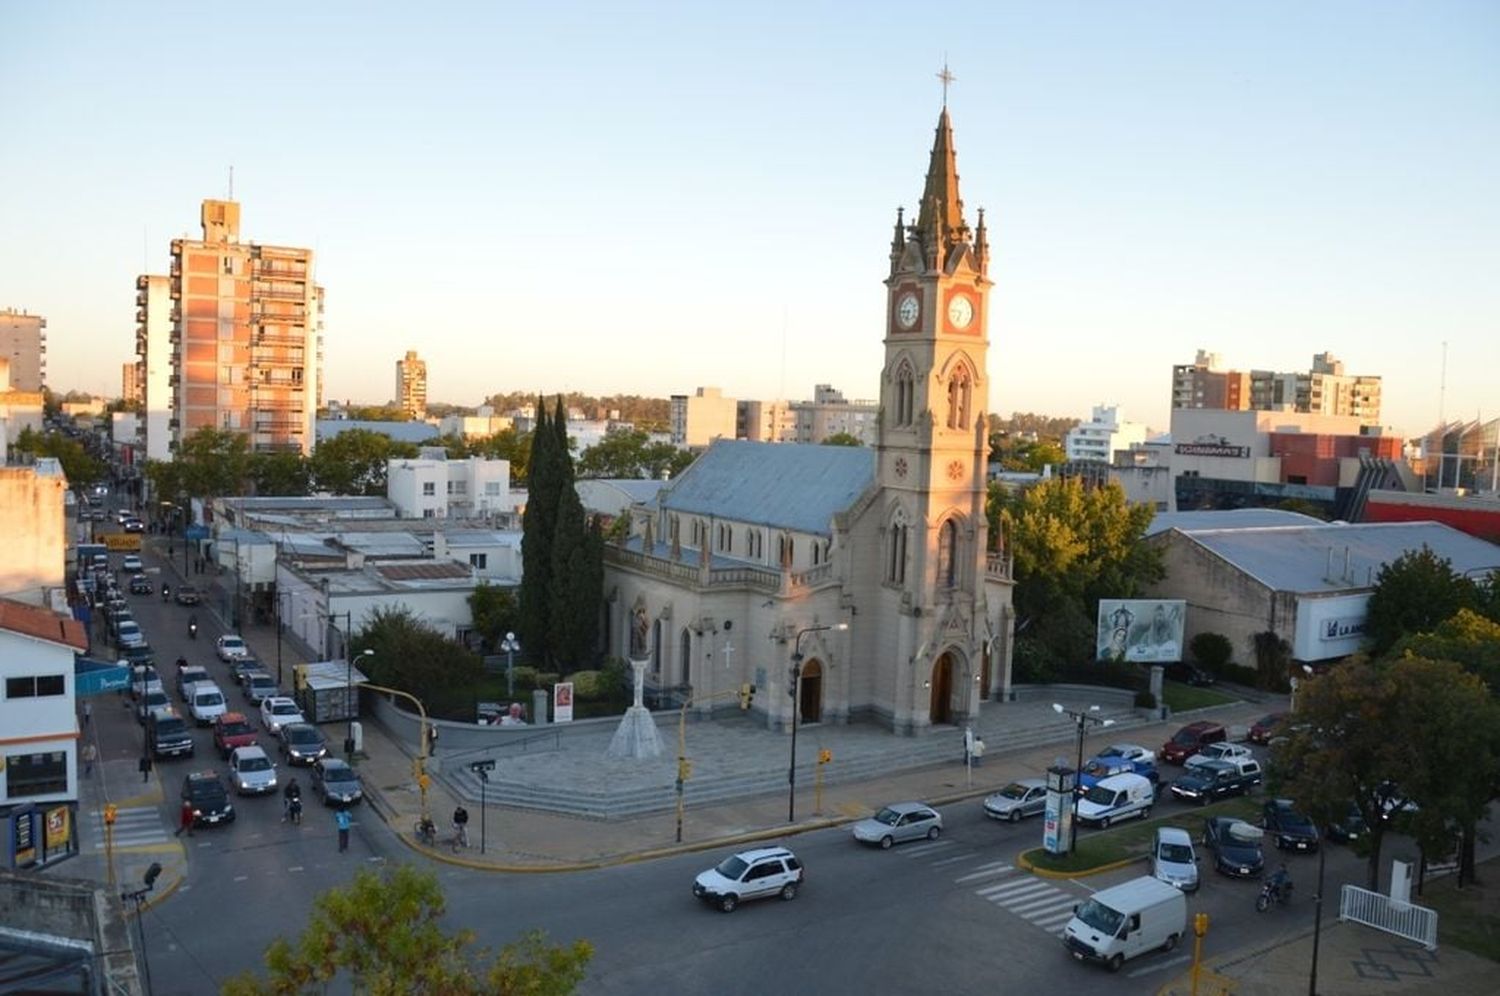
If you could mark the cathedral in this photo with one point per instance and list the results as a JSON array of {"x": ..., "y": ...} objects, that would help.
[{"x": 846, "y": 583}]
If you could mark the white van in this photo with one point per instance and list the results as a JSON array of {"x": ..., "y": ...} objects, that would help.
[
  {"x": 1117, "y": 798},
  {"x": 206, "y": 702},
  {"x": 1141, "y": 915}
]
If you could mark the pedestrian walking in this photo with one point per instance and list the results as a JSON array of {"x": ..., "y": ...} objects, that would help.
[
  {"x": 90, "y": 754},
  {"x": 145, "y": 765},
  {"x": 88, "y": 714},
  {"x": 343, "y": 821},
  {"x": 185, "y": 819}
]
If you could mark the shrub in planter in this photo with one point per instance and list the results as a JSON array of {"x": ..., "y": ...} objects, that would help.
[
  {"x": 587, "y": 684},
  {"x": 1144, "y": 699}
]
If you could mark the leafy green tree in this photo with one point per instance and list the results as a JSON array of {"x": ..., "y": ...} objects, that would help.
[
  {"x": 1413, "y": 594},
  {"x": 414, "y": 657},
  {"x": 507, "y": 444},
  {"x": 1468, "y": 638},
  {"x": 494, "y": 611},
  {"x": 843, "y": 439},
  {"x": 662, "y": 461},
  {"x": 617, "y": 455},
  {"x": 383, "y": 935},
  {"x": 1273, "y": 659},
  {"x": 538, "y": 526},
  {"x": 77, "y": 464},
  {"x": 354, "y": 462},
  {"x": 283, "y": 473},
  {"x": 213, "y": 463}
]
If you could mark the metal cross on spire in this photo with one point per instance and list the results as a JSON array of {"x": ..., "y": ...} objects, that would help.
[{"x": 947, "y": 78}]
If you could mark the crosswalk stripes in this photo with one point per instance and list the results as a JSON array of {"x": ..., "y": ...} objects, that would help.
[
  {"x": 924, "y": 848},
  {"x": 133, "y": 825},
  {"x": 1034, "y": 900},
  {"x": 986, "y": 871},
  {"x": 940, "y": 862}
]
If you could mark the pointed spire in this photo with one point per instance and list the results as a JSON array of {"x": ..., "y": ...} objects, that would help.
[
  {"x": 898, "y": 240},
  {"x": 942, "y": 212},
  {"x": 981, "y": 245}
]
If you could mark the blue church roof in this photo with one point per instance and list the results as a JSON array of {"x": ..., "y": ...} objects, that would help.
[{"x": 785, "y": 485}]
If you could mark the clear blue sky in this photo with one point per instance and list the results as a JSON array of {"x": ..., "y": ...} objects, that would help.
[{"x": 650, "y": 197}]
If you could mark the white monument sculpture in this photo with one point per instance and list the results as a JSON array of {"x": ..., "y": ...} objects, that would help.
[{"x": 636, "y": 738}]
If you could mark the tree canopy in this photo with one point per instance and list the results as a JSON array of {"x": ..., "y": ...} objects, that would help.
[
  {"x": 632, "y": 454},
  {"x": 382, "y": 934},
  {"x": 1414, "y": 594},
  {"x": 78, "y": 466},
  {"x": 414, "y": 657},
  {"x": 354, "y": 461}
]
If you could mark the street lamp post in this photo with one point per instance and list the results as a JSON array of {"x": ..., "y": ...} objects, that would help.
[
  {"x": 138, "y": 896},
  {"x": 1083, "y": 718},
  {"x": 1312, "y": 981},
  {"x": 794, "y": 687},
  {"x": 510, "y": 645},
  {"x": 353, "y": 699}
]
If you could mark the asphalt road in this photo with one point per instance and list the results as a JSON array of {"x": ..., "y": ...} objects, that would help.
[{"x": 953, "y": 915}]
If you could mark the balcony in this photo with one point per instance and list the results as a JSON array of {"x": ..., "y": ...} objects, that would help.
[
  {"x": 272, "y": 293},
  {"x": 141, "y": 282}
]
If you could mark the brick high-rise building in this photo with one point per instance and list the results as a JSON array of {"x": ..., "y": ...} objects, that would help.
[
  {"x": 411, "y": 385},
  {"x": 246, "y": 337},
  {"x": 130, "y": 383},
  {"x": 1323, "y": 390},
  {"x": 24, "y": 343}
]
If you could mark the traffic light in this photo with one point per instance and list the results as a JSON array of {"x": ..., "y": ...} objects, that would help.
[
  {"x": 1200, "y": 924},
  {"x": 747, "y": 695},
  {"x": 684, "y": 769},
  {"x": 825, "y": 756}
]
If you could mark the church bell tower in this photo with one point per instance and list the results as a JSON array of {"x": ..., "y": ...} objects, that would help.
[{"x": 933, "y": 442}]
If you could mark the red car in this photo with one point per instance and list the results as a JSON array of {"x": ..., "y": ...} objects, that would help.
[
  {"x": 1191, "y": 739},
  {"x": 232, "y": 730},
  {"x": 1264, "y": 728}
]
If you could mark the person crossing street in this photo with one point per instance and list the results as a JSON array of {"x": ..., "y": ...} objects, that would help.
[{"x": 343, "y": 821}]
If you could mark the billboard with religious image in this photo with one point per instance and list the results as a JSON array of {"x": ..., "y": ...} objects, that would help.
[{"x": 1141, "y": 630}]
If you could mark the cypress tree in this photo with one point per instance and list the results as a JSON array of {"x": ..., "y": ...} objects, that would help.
[{"x": 537, "y": 529}]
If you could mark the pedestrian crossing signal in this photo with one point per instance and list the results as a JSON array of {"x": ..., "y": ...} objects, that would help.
[{"x": 747, "y": 695}]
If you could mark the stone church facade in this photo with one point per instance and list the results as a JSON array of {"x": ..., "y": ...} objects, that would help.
[{"x": 870, "y": 569}]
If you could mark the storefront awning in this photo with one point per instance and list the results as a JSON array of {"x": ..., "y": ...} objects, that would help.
[{"x": 92, "y": 677}]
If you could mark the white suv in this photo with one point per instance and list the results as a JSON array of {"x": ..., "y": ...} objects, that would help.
[{"x": 766, "y": 871}]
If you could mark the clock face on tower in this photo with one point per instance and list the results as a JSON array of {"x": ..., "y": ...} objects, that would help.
[
  {"x": 960, "y": 311},
  {"x": 908, "y": 310}
]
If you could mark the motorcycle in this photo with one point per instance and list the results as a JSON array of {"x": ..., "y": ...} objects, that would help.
[
  {"x": 294, "y": 809},
  {"x": 1277, "y": 888},
  {"x": 193, "y": 629},
  {"x": 166, "y": 593}
]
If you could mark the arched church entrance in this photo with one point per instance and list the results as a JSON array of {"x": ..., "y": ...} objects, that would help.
[
  {"x": 810, "y": 696},
  {"x": 940, "y": 710}
]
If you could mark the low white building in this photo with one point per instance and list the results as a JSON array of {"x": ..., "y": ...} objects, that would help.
[
  {"x": 1103, "y": 434},
  {"x": 493, "y": 554},
  {"x": 39, "y": 735},
  {"x": 431, "y": 486},
  {"x": 321, "y": 607},
  {"x": 483, "y": 424}
]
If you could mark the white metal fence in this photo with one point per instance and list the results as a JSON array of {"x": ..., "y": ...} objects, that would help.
[{"x": 1415, "y": 923}]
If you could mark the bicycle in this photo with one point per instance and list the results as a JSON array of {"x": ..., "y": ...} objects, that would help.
[
  {"x": 425, "y": 832},
  {"x": 460, "y": 836}
]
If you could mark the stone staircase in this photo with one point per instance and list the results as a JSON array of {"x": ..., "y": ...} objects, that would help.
[{"x": 757, "y": 766}]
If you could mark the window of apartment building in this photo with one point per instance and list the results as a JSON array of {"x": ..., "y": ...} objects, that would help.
[
  {"x": 36, "y": 774},
  {"x": 429, "y": 489},
  {"x": 429, "y": 513},
  {"x": 492, "y": 488},
  {"x": 479, "y": 561},
  {"x": 458, "y": 487},
  {"x": 34, "y": 686},
  {"x": 296, "y": 375}
]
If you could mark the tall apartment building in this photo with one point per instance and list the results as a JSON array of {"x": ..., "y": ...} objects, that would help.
[
  {"x": 1103, "y": 434},
  {"x": 154, "y": 347},
  {"x": 23, "y": 341},
  {"x": 245, "y": 345},
  {"x": 1323, "y": 390},
  {"x": 700, "y": 418},
  {"x": 829, "y": 414},
  {"x": 765, "y": 421},
  {"x": 411, "y": 385},
  {"x": 131, "y": 391}
]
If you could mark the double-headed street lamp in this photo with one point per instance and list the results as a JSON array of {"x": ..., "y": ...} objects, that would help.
[
  {"x": 510, "y": 645},
  {"x": 794, "y": 689},
  {"x": 1083, "y": 718}
]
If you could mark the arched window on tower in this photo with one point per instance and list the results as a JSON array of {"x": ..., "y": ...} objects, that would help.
[
  {"x": 947, "y": 558},
  {"x": 895, "y": 569},
  {"x": 960, "y": 390},
  {"x": 906, "y": 393}
]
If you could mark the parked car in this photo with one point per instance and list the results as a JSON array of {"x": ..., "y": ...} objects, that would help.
[
  {"x": 143, "y": 679},
  {"x": 156, "y": 699},
  {"x": 242, "y": 668},
  {"x": 140, "y": 654},
  {"x": 205, "y": 791},
  {"x": 1263, "y": 729},
  {"x": 765, "y": 871},
  {"x": 1288, "y": 828},
  {"x": 141, "y": 585},
  {"x": 1095, "y": 770},
  {"x": 302, "y": 743},
  {"x": 1211, "y": 780},
  {"x": 231, "y": 648},
  {"x": 1130, "y": 752},
  {"x": 898, "y": 822},
  {"x": 1019, "y": 799},
  {"x": 1349, "y": 828},
  {"x": 277, "y": 711},
  {"x": 1173, "y": 860},
  {"x": 251, "y": 771},
  {"x": 1191, "y": 739},
  {"x": 132, "y": 563},
  {"x": 128, "y": 634},
  {"x": 186, "y": 594},
  {"x": 1188, "y": 674},
  {"x": 336, "y": 782},
  {"x": 1117, "y": 798},
  {"x": 232, "y": 730},
  {"x": 1235, "y": 845},
  {"x": 1224, "y": 751},
  {"x": 260, "y": 686}
]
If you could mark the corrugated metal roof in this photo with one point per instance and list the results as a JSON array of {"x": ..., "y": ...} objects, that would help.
[
  {"x": 1230, "y": 518},
  {"x": 637, "y": 490},
  {"x": 1314, "y": 558},
  {"x": 785, "y": 485}
]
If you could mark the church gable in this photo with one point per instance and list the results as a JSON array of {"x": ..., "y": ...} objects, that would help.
[{"x": 799, "y": 488}]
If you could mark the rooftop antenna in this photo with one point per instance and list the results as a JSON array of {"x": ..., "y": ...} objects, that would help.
[{"x": 1442, "y": 416}]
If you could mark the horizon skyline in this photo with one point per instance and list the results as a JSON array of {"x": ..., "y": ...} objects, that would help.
[{"x": 1264, "y": 185}]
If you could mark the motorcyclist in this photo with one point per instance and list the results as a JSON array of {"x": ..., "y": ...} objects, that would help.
[
  {"x": 166, "y": 592},
  {"x": 292, "y": 792},
  {"x": 193, "y": 627}
]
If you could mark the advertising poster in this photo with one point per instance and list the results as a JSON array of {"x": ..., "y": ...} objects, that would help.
[
  {"x": 58, "y": 829},
  {"x": 1141, "y": 630},
  {"x": 23, "y": 839},
  {"x": 562, "y": 702}
]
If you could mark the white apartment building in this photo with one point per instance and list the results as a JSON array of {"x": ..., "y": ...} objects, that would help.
[
  {"x": 23, "y": 342},
  {"x": 153, "y": 344},
  {"x": 1103, "y": 434},
  {"x": 19, "y": 410},
  {"x": 481, "y": 425},
  {"x": 700, "y": 418},
  {"x": 435, "y": 487}
]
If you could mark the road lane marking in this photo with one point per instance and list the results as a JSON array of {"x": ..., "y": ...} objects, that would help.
[
  {"x": 948, "y": 861},
  {"x": 1001, "y": 867},
  {"x": 1044, "y": 908},
  {"x": 1012, "y": 891},
  {"x": 242, "y": 878},
  {"x": 295, "y": 868},
  {"x": 927, "y": 847}
]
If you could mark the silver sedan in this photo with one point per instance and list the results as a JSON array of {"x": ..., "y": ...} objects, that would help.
[
  {"x": 1026, "y": 797},
  {"x": 900, "y": 821}
]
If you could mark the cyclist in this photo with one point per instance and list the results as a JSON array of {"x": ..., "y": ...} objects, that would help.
[
  {"x": 460, "y": 827},
  {"x": 426, "y": 831}
]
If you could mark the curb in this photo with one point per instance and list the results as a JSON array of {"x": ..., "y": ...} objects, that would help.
[{"x": 1023, "y": 862}]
